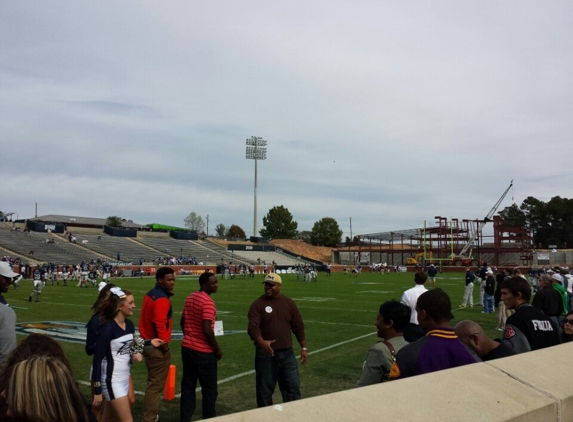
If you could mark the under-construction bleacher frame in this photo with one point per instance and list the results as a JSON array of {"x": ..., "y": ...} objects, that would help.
[{"x": 507, "y": 245}]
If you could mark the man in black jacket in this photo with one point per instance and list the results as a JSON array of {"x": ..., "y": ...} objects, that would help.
[
  {"x": 539, "y": 329},
  {"x": 547, "y": 299}
]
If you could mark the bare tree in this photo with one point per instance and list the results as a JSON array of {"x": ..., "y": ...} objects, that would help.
[{"x": 194, "y": 222}]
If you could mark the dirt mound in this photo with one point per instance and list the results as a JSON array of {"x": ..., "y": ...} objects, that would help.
[{"x": 319, "y": 253}]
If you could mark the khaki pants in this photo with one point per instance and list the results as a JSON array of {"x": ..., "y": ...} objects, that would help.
[
  {"x": 157, "y": 362},
  {"x": 502, "y": 314}
]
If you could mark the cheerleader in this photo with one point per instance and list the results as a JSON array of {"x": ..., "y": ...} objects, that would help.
[{"x": 114, "y": 355}]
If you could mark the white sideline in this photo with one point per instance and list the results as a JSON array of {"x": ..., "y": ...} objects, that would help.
[{"x": 252, "y": 371}]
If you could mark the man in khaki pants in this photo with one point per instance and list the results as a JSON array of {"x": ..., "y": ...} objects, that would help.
[{"x": 156, "y": 322}]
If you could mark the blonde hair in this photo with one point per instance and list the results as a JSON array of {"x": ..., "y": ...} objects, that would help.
[{"x": 43, "y": 389}]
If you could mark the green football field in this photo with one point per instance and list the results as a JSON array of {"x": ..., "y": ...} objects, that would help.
[{"x": 339, "y": 314}]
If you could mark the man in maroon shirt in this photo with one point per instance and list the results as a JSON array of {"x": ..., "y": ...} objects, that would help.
[{"x": 272, "y": 318}]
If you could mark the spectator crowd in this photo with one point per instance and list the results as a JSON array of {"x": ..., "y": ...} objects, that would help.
[{"x": 415, "y": 333}]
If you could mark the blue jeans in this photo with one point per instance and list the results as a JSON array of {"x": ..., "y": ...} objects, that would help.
[
  {"x": 282, "y": 367},
  {"x": 569, "y": 296},
  {"x": 202, "y": 367},
  {"x": 488, "y": 303}
]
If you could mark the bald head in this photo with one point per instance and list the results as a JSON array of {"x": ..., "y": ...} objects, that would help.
[
  {"x": 471, "y": 334},
  {"x": 467, "y": 328}
]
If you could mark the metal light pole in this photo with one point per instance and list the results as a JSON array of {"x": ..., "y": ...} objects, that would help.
[{"x": 256, "y": 150}]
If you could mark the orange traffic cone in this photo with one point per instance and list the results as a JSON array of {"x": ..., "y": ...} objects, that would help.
[{"x": 169, "y": 392}]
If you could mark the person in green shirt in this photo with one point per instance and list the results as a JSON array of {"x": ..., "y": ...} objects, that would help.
[
  {"x": 557, "y": 281},
  {"x": 392, "y": 318}
]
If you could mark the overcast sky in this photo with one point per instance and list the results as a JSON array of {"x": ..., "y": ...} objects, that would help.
[{"x": 389, "y": 112}]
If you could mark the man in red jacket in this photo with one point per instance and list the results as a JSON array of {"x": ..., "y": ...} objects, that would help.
[{"x": 156, "y": 322}]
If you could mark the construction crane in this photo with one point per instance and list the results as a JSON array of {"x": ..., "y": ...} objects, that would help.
[{"x": 462, "y": 258}]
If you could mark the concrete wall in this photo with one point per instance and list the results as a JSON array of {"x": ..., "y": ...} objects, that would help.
[{"x": 531, "y": 387}]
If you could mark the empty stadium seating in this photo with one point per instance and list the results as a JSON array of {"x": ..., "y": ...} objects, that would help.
[
  {"x": 93, "y": 244},
  {"x": 268, "y": 257},
  {"x": 33, "y": 247},
  {"x": 109, "y": 246},
  {"x": 202, "y": 251}
]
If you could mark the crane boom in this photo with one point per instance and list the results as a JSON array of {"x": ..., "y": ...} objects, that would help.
[{"x": 483, "y": 223}]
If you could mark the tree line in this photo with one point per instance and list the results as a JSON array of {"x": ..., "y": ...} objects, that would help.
[
  {"x": 195, "y": 222},
  {"x": 551, "y": 223},
  {"x": 277, "y": 224}
]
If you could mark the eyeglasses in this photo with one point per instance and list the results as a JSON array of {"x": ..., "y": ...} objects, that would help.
[{"x": 568, "y": 321}]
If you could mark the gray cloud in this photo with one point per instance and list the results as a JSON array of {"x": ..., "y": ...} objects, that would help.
[{"x": 389, "y": 113}]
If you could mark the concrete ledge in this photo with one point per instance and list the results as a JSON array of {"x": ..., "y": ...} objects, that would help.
[
  {"x": 548, "y": 371},
  {"x": 535, "y": 386}
]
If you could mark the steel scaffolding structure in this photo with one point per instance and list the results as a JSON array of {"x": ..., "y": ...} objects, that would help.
[{"x": 446, "y": 238}]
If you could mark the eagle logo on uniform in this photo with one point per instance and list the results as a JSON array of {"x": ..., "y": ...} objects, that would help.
[{"x": 125, "y": 348}]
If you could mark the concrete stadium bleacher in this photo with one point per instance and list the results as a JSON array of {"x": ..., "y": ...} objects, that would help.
[
  {"x": 23, "y": 243},
  {"x": 269, "y": 257},
  {"x": 150, "y": 246},
  {"x": 202, "y": 251},
  {"x": 131, "y": 251}
]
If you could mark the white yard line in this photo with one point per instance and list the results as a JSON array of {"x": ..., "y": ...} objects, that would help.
[
  {"x": 252, "y": 371},
  {"x": 69, "y": 304},
  {"x": 338, "y": 323}
]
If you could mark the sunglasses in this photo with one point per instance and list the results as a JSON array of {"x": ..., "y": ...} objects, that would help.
[{"x": 568, "y": 321}]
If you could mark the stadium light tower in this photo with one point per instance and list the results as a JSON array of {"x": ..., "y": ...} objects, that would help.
[{"x": 256, "y": 150}]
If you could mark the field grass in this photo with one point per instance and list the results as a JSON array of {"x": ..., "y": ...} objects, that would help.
[{"x": 339, "y": 314}]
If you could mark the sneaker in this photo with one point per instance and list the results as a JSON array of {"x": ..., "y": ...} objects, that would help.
[
  {"x": 484, "y": 312},
  {"x": 462, "y": 306}
]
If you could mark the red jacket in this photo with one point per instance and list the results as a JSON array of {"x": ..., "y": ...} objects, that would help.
[{"x": 156, "y": 312}]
